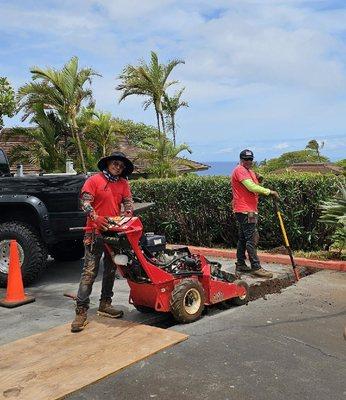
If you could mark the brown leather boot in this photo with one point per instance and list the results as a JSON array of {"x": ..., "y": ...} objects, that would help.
[
  {"x": 242, "y": 267},
  {"x": 80, "y": 321},
  {"x": 261, "y": 273},
  {"x": 107, "y": 310}
]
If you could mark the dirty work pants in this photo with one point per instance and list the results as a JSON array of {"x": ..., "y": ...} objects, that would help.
[
  {"x": 93, "y": 254},
  {"x": 247, "y": 240}
]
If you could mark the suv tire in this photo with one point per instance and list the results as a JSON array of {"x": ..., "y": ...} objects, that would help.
[{"x": 32, "y": 251}]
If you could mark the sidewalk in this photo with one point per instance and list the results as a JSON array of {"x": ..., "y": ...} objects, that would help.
[{"x": 51, "y": 308}]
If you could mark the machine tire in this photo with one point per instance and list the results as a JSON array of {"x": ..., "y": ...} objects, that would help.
[
  {"x": 32, "y": 251},
  {"x": 185, "y": 292},
  {"x": 67, "y": 250},
  {"x": 143, "y": 309},
  {"x": 240, "y": 301}
]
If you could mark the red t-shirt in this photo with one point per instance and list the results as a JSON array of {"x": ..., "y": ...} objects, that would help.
[
  {"x": 108, "y": 196},
  {"x": 243, "y": 199}
]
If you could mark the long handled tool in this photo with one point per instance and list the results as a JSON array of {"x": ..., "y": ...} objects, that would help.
[{"x": 286, "y": 242}]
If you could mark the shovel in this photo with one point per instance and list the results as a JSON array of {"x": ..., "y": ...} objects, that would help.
[{"x": 286, "y": 242}]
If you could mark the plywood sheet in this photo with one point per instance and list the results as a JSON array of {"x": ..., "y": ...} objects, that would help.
[{"x": 52, "y": 364}]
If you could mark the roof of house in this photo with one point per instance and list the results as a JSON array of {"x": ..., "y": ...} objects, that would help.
[
  {"x": 8, "y": 141},
  {"x": 322, "y": 168}
]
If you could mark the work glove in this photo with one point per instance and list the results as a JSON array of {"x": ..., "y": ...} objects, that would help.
[
  {"x": 101, "y": 223},
  {"x": 274, "y": 194}
]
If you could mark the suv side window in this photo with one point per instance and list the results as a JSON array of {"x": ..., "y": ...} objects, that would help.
[{"x": 4, "y": 167}]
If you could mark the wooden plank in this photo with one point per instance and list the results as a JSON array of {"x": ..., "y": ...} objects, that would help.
[{"x": 54, "y": 363}]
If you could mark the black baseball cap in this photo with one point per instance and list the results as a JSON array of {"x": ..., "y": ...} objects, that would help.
[{"x": 246, "y": 155}]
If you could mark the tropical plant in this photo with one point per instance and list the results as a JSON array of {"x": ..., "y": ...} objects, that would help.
[
  {"x": 292, "y": 157},
  {"x": 44, "y": 146},
  {"x": 63, "y": 91},
  {"x": 315, "y": 146},
  {"x": 101, "y": 136},
  {"x": 170, "y": 107},
  {"x": 150, "y": 81},
  {"x": 7, "y": 100},
  {"x": 135, "y": 132},
  {"x": 334, "y": 213},
  {"x": 162, "y": 157}
]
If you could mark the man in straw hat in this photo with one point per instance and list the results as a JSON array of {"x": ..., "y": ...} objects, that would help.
[{"x": 102, "y": 196}]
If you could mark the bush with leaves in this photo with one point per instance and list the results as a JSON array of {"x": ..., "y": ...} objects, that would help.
[
  {"x": 334, "y": 214},
  {"x": 292, "y": 157},
  {"x": 7, "y": 100},
  {"x": 197, "y": 210}
]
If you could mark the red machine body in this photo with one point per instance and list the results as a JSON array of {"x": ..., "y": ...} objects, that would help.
[{"x": 155, "y": 291}]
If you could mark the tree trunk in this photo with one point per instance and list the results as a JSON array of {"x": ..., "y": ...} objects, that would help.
[
  {"x": 158, "y": 120},
  {"x": 79, "y": 145},
  {"x": 163, "y": 123},
  {"x": 173, "y": 129}
]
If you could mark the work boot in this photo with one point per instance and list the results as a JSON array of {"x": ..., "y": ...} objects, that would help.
[
  {"x": 80, "y": 321},
  {"x": 261, "y": 273},
  {"x": 242, "y": 267},
  {"x": 107, "y": 310}
]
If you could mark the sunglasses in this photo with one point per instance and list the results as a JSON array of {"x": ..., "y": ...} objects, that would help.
[{"x": 117, "y": 163}]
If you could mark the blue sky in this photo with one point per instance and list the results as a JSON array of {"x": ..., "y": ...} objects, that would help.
[{"x": 263, "y": 74}]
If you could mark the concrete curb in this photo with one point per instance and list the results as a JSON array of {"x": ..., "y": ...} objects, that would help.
[{"x": 271, "y": 258}]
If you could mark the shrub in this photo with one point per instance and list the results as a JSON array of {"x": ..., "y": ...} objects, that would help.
[
  {"x": 197, "y": 210},
  {"x": 334, "y": 213}
]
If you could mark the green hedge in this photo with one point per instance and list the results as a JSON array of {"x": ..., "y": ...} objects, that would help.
[{"x": 197, "y": 210}]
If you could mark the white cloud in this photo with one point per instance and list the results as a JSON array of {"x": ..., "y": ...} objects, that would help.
[
  {"x": 281, "y": 146},
  {"x": 227, "y": 150},
  {"x": 255, "y": 70}
]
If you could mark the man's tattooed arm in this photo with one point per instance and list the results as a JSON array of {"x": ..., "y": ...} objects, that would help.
[
  {"x": 128, "y": 206},
  {"x": 86, "y": 200}
]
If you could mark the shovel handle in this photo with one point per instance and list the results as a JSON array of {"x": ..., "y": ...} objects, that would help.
[{"x": 287, "y": 244}]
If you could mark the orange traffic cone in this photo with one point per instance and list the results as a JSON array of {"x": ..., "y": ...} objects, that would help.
[{"x": 15, "y": 295}]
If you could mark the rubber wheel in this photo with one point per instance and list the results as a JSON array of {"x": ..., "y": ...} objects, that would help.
[
  {"x": 187, "y": 301},
  {"x": 32, "y": 251},
  {"x": 143, "y": 309},
  {"x": 241, "y": 300},
  {"x": 67, "y": 250}
]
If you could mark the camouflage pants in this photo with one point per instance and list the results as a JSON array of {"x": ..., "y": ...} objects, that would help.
[{"x": 93, "y": 254}]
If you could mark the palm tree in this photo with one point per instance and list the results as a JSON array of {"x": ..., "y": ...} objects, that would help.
[
  {"x": 44, "y": 147},
  {"x": 170, "y": 106},
  {"x": 162, "y": 157},
  {"x": 150, "y": 81},
  {"x": 61, "y": 90},
  {"x": 314, "y": 145},
  {"x": 101, "y": 136}
]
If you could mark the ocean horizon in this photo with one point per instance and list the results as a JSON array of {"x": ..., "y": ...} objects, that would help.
[{"x": 218, "y": 168}]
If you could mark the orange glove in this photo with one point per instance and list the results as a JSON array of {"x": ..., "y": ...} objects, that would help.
[{"x": 101, "y": 223}]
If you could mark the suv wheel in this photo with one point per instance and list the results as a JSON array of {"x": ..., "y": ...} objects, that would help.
[{"x": 32, "y": 251}]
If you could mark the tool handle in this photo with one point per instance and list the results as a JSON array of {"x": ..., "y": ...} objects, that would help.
[
  {"x": 286, "y": 242},
  {"x": 276, "y": 204},
  {"x": 77, "y": 229}
]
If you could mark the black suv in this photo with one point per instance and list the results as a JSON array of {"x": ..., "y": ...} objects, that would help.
[{"x": 38, "y": 211}]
